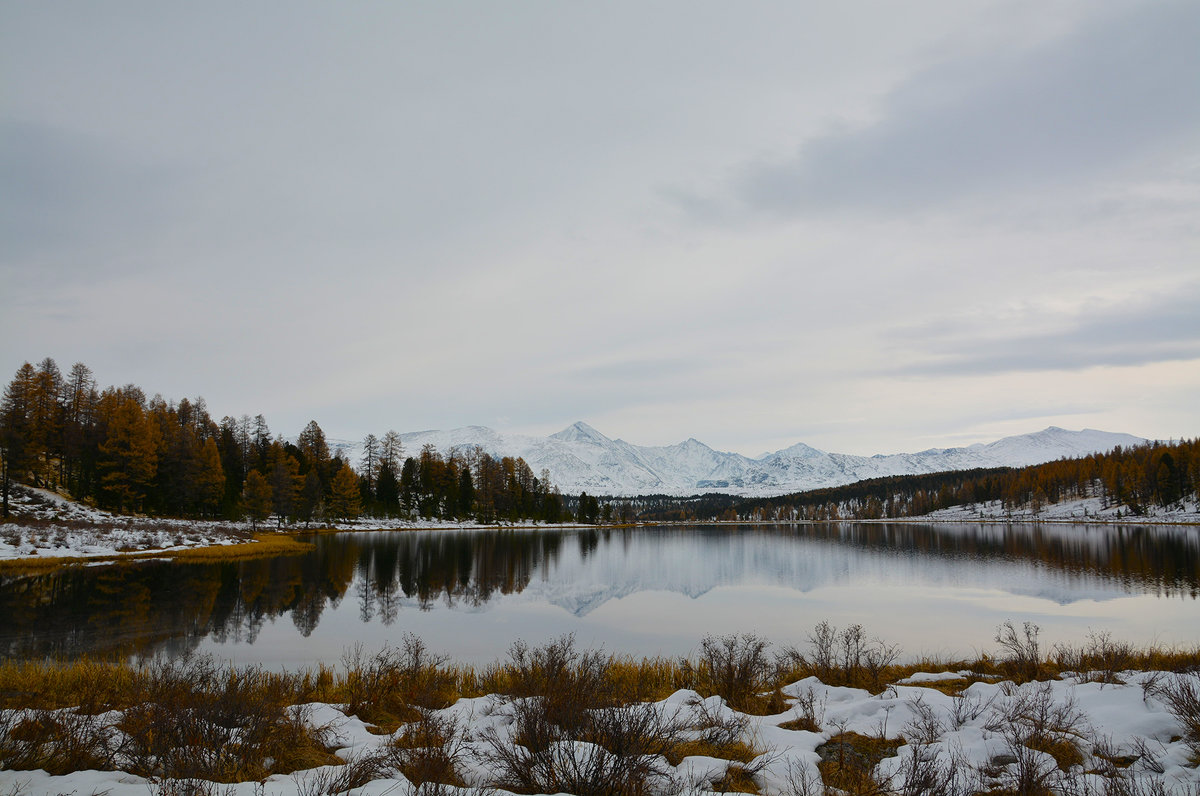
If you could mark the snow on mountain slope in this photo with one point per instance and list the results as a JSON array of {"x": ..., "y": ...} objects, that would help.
[{"x": 581, "y": 459}]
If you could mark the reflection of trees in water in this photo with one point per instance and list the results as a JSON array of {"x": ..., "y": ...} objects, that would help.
[
  {"x": 1163, "y": 560},
  {"x": 451, "y": 567},
  {"x": 154, "y": 607},
  {"x": 168, "y": 608}
]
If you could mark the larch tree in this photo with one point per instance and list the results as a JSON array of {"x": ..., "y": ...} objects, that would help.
[
  {"x": 312, "y": 444},
  {"x": 391, "y": 451},
  {"x": 285, "y": 483},
  {"x": 256, "y": 498},
  {"x": 14, "y": 428},
  {"x": 370, "y": 462},
  {"x": 344, "y": 498},
  {"x": 210, "y": 479},
  {"x": 311, "y": 496},
  {"x": 128, "y": 456},
  {"x": 46, "y": 414}
]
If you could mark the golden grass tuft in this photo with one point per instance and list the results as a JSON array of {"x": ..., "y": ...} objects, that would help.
[
  {"x": 848, "y": 761},
  {"x": 737, "y": 779}
]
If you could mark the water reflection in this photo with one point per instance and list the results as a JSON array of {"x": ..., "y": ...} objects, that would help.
[{"x": 392, "y": 579}]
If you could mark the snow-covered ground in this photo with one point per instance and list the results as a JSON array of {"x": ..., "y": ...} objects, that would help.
[
  {"x": 981, "y": 740},
  {"x": 52, "y": 526},
  {"x": 1082, "y": 510}
]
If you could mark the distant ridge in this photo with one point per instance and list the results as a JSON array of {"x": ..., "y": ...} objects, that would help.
[{"x": 581, "y": 459}]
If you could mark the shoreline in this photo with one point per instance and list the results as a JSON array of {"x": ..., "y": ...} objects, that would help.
[{"x": 287, "y": 541}]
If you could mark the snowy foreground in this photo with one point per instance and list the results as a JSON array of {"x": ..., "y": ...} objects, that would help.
[{"x": 1121, "y": 738}]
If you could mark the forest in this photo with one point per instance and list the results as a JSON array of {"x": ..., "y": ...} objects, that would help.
[
  {"x": 1136, "y": 477},
  {"x": 122, "y": 451}
]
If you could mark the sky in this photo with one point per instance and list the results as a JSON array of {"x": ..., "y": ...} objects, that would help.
[{"x": 871, "y": 227}]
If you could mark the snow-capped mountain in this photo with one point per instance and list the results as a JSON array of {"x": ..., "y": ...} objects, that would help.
[{"x": 581, "y": 459}]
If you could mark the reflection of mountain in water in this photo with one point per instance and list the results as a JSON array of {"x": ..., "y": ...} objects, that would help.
[{"x": 164, "y": 607}]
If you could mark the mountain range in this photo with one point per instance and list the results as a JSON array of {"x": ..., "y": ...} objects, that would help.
[{"x": 581, "y": 459}]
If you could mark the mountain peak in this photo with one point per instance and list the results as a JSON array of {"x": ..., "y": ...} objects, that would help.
[{"x": 580, "y": 432}]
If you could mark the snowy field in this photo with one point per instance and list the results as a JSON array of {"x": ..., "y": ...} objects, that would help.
[
  {"x": 1085, "y": 510},
  {"x": 1067, "y": 736}
]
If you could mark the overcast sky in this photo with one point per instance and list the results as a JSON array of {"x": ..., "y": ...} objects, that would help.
[{"x": 871, "y": 227}]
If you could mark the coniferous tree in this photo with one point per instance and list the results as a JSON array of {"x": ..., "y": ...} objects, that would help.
[
  {"x": 391, "y": 452},
  {"x": 285, "y": 482},
  {"x": 14, "y": 428},
  {"x": 128, "y": 456},
  {"x": 409, "y": 485},
  {"x": 370, "y": 463},
  {"x": 46, "y": 415},
  {"x": 387, "y": 490},
  {"x": 466, "y": 493},
  {"x": 210, "y": 479},
  {"x": 79, "y": 413},
  {"x": 256, "y": 498},
  {"x": 311, "y": 495},
  {"x": 344, "y": 501}
]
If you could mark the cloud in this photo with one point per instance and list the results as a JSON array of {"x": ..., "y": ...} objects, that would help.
[
  {"x": 1167, "y": 330},
  {"x": 1106, "y": 95}
]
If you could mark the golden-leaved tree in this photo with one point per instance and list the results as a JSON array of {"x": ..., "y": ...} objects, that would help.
[{"x": 128, "y": 456}]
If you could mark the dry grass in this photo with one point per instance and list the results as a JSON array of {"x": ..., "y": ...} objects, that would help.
[
  {"x": 262, "y": 545},
  {"x": 848, "y": 761},
  {"x": 737, "y": 779},
  {"x": 194, "y": 719}
]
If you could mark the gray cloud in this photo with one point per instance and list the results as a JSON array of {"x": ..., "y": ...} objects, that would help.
[
  {"x": 1087, "y": 104},
  {"x": 1165, "y": 331}
]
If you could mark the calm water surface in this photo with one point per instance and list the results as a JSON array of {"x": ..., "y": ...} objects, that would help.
[{"x": 936, "y": 589}]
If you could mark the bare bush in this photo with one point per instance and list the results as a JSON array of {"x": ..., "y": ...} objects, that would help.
[
  {"x": 1042, "y": 736},
  {"x": 809, "y": 710},
  {"x": 1024, "y": 655},
  {"x": 849, "y": 657},
  {"x": 968, "y": 707},
  {"x": 1181, "y": 694},
  {"x": 617, "y": 751},
  {"x": 428, "y": 750},
  {"x": 734, "y": 667},
  {"x": 58, "y": 741}
]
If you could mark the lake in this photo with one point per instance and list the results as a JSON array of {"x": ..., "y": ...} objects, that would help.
[{"x": 934, "y": 589}]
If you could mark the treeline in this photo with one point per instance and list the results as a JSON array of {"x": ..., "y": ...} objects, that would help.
[
  {"x": 1136, "y": 477},
  {"x": 129, "y": 453}
]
